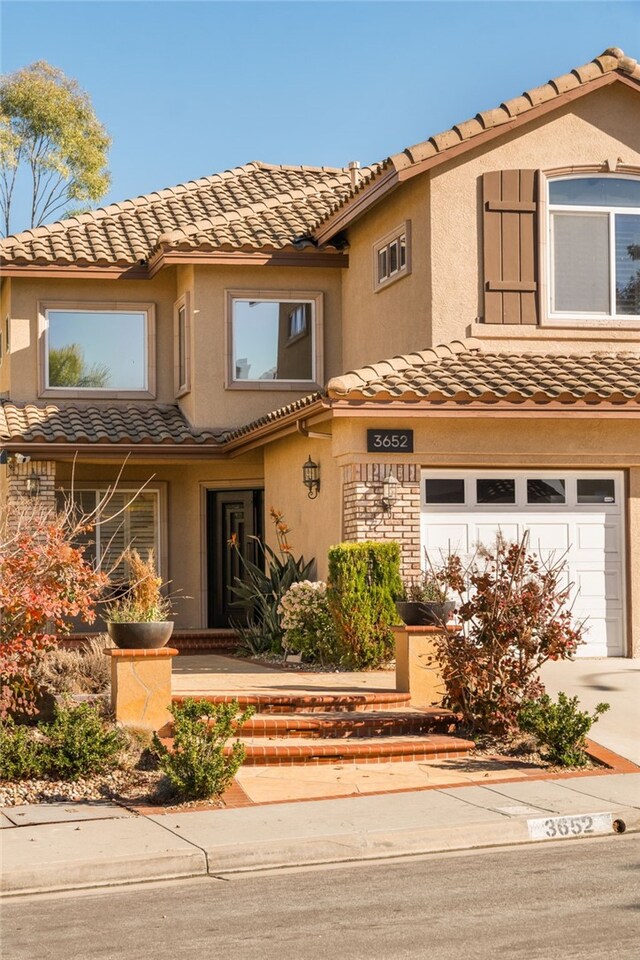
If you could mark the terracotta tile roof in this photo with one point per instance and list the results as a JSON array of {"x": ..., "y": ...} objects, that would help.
[
  {"x": 76, "y": 423},
  {"x": 272, "y": 417},
  {"x": 612, "y": 60},
  {"x": 254, "y": 206},
  {"x": 462, "y": 372}
]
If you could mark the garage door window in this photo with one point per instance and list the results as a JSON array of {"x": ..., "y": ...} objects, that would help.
[
  {"x": 546, "y": 491},
  {"x": 498, "y": 490},
  {"x": 597, "y": 491},
  {"x": 445, "y": 490}
]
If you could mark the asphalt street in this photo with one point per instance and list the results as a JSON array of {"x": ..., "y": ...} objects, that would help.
[{"x": 565, "y": 900}]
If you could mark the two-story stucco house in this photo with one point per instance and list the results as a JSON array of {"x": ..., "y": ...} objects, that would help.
[{"x": 451, "y": 336}]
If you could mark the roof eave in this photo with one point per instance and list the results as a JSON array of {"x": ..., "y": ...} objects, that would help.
[{"x": 378, "y": 187}]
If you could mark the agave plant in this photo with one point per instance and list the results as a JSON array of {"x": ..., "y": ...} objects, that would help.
[{"x": 262, "y": 588}]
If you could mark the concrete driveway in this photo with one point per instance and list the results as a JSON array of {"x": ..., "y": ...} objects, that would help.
[{"x": 615, "y": 681}]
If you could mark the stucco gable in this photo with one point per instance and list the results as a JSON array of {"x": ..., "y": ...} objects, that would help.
[{"x": 611, "y": 67}]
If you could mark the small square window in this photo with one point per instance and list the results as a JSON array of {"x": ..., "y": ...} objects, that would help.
[
  {"x": 546, "y": 491},
  {"x": 496, "y": 490},
  {"x": 445, "y": 490},
  {"x": 597, "y": 490}
]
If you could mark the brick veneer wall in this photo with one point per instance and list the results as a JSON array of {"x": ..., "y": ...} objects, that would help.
[
  {"x": 17, "y": 477},
  {"x": 364, "y": 517}
]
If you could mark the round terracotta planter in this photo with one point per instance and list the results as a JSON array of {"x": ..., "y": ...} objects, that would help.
[
  {"x": 427, "y": 613},
  {"x": 141, "y": 636}
]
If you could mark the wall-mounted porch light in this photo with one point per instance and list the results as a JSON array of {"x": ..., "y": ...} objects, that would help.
[
  {"x": 33, "y": 484},
  {"x": 311, "y": 478},
  {"x": 390, "y": 492}
]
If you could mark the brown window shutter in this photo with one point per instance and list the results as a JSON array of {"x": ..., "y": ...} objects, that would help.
[{"x": 510, "y": 235}]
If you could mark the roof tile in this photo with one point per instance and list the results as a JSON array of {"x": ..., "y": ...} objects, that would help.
[
  {"x": 462, "y": 371},
  {"x": 276, "y": 205},
  {"x": 75, "y": 423}
]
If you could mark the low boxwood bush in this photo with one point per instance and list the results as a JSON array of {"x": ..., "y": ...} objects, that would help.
[
  {"x": 197, "y": 764},
  {"x": 364, "y": 579},
  {"x": 77, "y": 743},
  {"x": 561, "y": 727},
  {"x": 21, "y": 753}
]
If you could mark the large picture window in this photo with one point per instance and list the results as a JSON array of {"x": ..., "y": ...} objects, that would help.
[
  {"x": 595, "y": 248},
  {"x": 273, "y": 340},
  {"x": 97, "y": 350}
]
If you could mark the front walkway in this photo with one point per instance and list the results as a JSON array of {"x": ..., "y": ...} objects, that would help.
[{"x": 215, "y": 674}]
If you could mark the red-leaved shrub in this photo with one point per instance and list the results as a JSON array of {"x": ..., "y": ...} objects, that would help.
[
  {"x": 44, "y": 582},
  {"x": 514, "y": 616}
]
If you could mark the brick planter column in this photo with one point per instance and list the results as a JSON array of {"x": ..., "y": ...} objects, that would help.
[
  {"x": 141, "y": 688},
  {"x": 365, "y": 519},
  {"x": 418, "y": 670}
]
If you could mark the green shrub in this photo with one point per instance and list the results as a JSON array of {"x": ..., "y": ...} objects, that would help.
[
  {"x": 561, "y": 727},
  {"x": 21, "y": 753},
  {"x": 263, "y": 586},
  {"x": 308, "y": 624},
  {"x": 197, "y": 766},
  {"x": 364, "y": 578},
  {"x": 79, "y": 743}
]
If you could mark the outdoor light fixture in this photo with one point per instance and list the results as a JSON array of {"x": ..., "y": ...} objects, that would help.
[
  {"x": 390, "y": 490},
  {"x": 33, "y": 485},
  {"x": 311, "y": 477}
]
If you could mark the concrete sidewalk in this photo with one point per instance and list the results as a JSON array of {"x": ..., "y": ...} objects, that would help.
[{"x": 51, "y": 847}]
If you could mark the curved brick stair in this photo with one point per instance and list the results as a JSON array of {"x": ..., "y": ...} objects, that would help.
[
  {"x": 346, "y": 727},
  {"x": 311, "y": 703}
]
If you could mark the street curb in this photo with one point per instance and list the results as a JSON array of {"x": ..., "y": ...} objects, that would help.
[
  {"x": 73, "y": 856},
  {"x": 346, "y": 848}
]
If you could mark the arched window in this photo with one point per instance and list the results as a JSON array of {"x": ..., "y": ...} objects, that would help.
[{"x": 594, "y": 262}]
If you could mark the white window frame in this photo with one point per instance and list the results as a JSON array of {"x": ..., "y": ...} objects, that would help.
[
  {"x": 315, "y": 298},
  {"x": 383, "y": 245},
  {"x": 594, "y": 318},
  {"x": 147, "y": 309}
]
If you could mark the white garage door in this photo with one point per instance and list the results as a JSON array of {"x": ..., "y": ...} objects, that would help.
[{"x": 572, "y": 513}]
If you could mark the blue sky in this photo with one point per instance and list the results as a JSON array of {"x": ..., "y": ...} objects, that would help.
[{"x": 189, "y": 88}]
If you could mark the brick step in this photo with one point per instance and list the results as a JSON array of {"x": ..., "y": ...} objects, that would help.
[
  {"x": 377, "y": 723},
  {"x": 262, "y": 751},
  {"x": 344, "y": 702}
]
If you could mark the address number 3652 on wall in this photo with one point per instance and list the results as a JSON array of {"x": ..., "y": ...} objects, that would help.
[{"x": 389, "y": 441}]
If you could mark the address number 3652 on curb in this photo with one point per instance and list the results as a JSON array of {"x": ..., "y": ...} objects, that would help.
[{"x": 559, "y": 828}]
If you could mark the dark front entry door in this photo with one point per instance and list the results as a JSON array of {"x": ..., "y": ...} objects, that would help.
[{"x": 237, "y": 515}]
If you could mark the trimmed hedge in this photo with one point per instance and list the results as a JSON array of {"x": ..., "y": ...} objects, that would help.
[{"x": 364, "y": 579}]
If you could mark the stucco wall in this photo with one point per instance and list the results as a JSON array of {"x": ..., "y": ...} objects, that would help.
[
  {"x": 442, "y": 297},
  {"x": 315, "y": 524},
  {"x": 211, "y": 402},
  {"x": 395, "y": 319},
  {"x": 27, "y": 293},
  {"x": 602, "y": 126}
]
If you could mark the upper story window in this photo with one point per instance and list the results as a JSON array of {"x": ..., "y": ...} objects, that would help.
[
  {"x": 275, "y": 341},
  {"x": 101, "y": 349},
  {"x": 391, "y": 256},
  {"x": 594, "y": 261}
]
